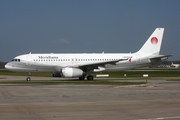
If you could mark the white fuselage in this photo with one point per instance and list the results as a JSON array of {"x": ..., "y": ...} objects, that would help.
[{"x": 55, "y": 62}]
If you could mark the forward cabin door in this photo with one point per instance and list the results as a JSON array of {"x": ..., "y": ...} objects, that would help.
[{"x": 28, "y": 60}]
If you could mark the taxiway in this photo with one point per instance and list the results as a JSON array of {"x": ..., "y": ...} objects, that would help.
[{"x": 159, "y": 99}]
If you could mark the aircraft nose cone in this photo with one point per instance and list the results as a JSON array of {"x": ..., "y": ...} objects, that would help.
[{"x": 8, "y": 66}]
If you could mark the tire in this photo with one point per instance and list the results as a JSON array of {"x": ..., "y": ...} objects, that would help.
[
  {"x": 28, "y": 79},
  {"x": 82, "y": 78},
  {"x": 90, "y": 77}
]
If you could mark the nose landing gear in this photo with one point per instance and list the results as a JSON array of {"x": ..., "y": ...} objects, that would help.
[{"x": 28, "y": 78}]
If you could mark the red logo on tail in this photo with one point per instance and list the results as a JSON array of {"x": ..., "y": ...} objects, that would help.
[{"x": 154, "y": 40}]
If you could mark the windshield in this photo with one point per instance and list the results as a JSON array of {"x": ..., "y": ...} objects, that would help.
[{"x": 16, "y": 60}]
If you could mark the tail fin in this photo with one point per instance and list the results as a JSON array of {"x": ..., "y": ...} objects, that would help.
[{"x": 153, "y": 44}]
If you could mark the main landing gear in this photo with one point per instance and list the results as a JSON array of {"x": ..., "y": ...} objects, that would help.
[
  {"x": 89, "y": 77},
  {"x": 28, "y": 78}
]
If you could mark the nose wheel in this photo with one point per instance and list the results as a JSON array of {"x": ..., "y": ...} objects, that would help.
[{"x": 28, "y": 78}]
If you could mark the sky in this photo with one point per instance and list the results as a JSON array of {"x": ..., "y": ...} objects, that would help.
[{"x": 86, "y": 26}]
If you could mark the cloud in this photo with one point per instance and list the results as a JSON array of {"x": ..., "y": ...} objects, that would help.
[
  {"x": 60, "y": 41},
  {"x": 63, "y": 41}
]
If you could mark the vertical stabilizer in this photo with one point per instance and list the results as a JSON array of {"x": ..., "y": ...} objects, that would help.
[{"x": 153, "y": 44}]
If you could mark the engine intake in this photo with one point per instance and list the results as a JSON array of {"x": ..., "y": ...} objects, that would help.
[
  {"x": 72, "y": 72},
  {"x": 68, "y": 73}
]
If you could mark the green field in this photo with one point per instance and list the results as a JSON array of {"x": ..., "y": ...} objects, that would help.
[
  {"x": 138, "y": 73},
  {"x": 114, "y": 74}
]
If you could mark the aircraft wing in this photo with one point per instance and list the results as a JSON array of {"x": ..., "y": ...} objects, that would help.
[{"x": 92, "y": 66}]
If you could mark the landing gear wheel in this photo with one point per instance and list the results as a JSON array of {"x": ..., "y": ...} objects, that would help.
[
  {"x": 90, "y": 77},
  {"x": 28, "y": 79},
  {"x": 82, "y": 78}
]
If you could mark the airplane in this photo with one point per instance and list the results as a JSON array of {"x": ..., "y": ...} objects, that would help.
[
  {"x": 175, "y": 65},
  {"x": 81, "y": 65}
]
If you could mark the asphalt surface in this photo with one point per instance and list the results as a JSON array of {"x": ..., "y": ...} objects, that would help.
[{"x": 159, "y": 99}]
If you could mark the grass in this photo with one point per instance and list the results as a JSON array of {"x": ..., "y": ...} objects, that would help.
[
  {"x": 72, "y": 82},
  {"x": 173, "y": 80},
  {"x": 129, "y": 74},
  {"x": 38, "y": 74},
  {"x": 114, "y": 74}
]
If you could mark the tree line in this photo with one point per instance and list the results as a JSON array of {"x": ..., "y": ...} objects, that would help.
[{"x": 2, "y": 64}]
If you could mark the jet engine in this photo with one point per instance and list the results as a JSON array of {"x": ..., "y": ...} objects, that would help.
[
  {"x": 69, "y": 73},
  {"x": 72, "y": 72}
]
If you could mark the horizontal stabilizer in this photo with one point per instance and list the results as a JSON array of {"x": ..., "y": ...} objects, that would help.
[{"x": 160, "y": 57}]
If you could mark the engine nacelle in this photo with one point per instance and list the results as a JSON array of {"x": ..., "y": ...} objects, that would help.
[{"x": 72, "y": 72}]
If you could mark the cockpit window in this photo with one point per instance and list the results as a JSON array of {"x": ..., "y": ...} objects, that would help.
[{"x": 16, "y": 60}]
